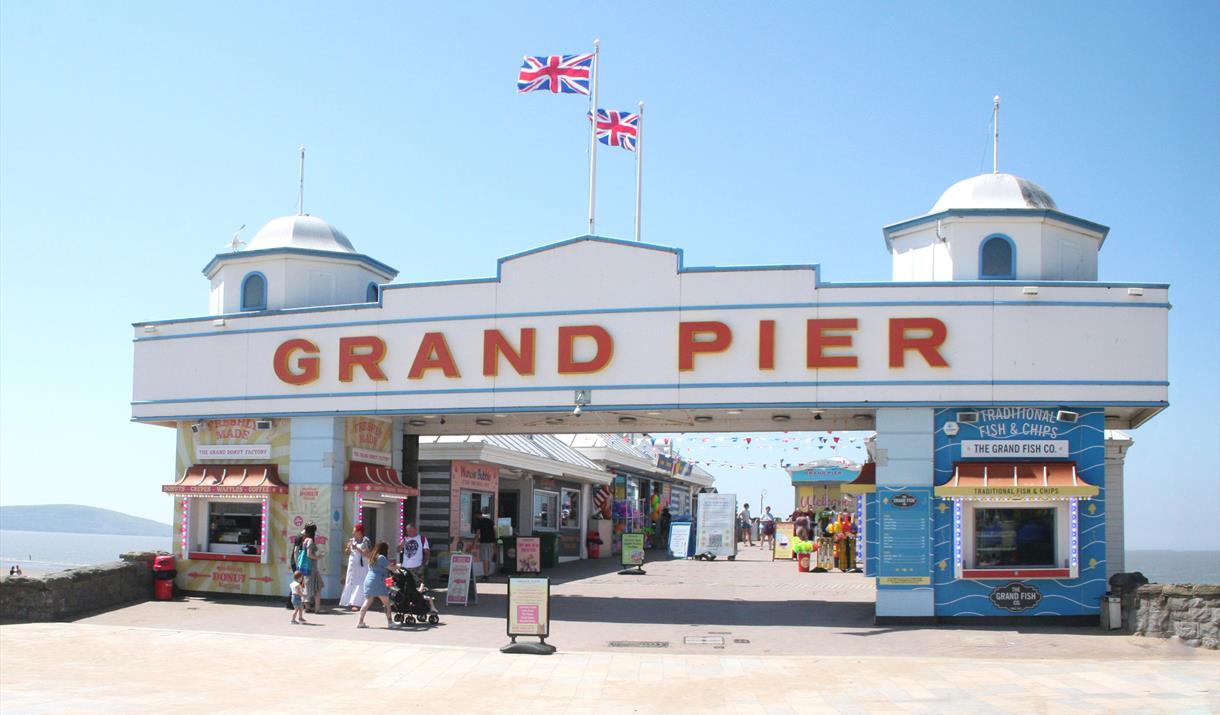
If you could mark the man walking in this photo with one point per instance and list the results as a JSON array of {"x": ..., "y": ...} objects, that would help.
[{"x": 744, "y": 519}]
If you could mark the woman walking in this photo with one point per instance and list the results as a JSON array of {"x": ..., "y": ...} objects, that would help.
[
  {"x": 374, "y": 583},
  {"x": 357, "y": 569},
  {"x": 309, "y": 567}
]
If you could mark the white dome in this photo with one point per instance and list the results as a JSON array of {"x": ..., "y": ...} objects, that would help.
[
  {"x": 994, "y": 191},
  {"x": 308, "y": 232}
]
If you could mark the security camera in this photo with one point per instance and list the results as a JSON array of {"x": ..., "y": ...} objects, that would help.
[{"x": 576, "y": 412}]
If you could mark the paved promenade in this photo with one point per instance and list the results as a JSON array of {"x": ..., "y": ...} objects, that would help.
[{"x": 748, "y": 636}]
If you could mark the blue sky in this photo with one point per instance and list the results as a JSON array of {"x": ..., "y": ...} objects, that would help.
[{"x": 136, "y": 137}]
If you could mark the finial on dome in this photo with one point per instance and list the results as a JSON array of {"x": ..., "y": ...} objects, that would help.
[
  {"x": 301, "y": 191},
  {"x": 995, "y": 122}
]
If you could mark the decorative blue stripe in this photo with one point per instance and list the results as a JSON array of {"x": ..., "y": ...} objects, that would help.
[
  {"x": 567, "y": 407},
  {"x": 615, "y": 311},
  {"x": 655, "y": 386}
]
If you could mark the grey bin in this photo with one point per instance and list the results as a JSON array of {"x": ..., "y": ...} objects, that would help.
[{"x": 1111, "y": 612}]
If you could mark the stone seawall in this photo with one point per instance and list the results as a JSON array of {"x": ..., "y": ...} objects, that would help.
[
  {"x": 65, "y": 595},
  {"x": 1189, "y": 612}
]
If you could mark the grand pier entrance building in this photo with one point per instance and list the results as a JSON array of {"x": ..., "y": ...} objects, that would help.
[{"x": 991, "y": 367}]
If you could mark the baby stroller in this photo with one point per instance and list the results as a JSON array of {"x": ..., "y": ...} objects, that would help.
[{"x": 409, "y": 603}]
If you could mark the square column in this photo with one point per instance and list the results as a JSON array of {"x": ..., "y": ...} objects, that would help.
[
  {"x": 1117, "y": 444},
  {"x": 904, "y": 451},
  {"x": 315, "y": 491}
]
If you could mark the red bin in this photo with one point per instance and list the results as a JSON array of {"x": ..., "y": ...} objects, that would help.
[{"x": 163, "y": 589}]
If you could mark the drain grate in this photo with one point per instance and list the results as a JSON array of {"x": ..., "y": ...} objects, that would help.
[
  {"x": 639, "y": 644},
  {"x": 741, "y": 641}
]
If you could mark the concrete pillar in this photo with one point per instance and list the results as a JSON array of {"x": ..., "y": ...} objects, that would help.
[
  {"x": 904, "y": 450},
  {"x": 1117, "y": 444},
  {"x": 586, "y": 505},
  {"x": 316, "y": 455}
]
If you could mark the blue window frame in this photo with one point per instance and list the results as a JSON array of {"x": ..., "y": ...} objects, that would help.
[
  {"x": 998, "y": 258},
  {"x": 370, "y": 294},
  {"x": 254, "y": 291}
]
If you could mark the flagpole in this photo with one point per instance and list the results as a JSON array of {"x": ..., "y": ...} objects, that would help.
[
  {"x": 593, "y": 141},
  {"x": 639, "y": 164}
]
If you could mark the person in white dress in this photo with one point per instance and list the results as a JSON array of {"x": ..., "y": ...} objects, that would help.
[{"x": 357, "y": 568}]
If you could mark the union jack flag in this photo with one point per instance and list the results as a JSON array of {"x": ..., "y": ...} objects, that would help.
[
  {"x": 620, "y": 129},
  {"x": 568, "y": 74}
]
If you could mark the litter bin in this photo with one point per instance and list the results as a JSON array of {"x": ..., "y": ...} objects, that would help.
[
  {"x": 1111, "y": 612},
  {"x": 508, "y": 564},
  {"x": 550, "y": 550},
  {"x": 164, "y": 573}
]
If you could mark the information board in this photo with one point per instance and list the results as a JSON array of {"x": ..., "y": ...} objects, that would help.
[
  {"x": 529, "y": 554},
  {"x": 460, "y": 567},
  {"x": 905, "y": 524},
  {"x": 679, "y": 539},
  {"x": 784, "y": 531},
  {"x": 633, "y": 549},
  {"x": 716, "y": 532},
  {"x": 529, "y": 606}
]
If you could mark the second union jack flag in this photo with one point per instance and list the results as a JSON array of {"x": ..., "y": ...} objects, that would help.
[
  {"x": 567, "y": 74},
  {"x": 621, "y": 129}
]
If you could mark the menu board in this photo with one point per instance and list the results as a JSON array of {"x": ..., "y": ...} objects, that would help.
[
  {"x": 460, "y": 568},
  {"x": 905, "y": 524},
  {"x": 529, "y": 554},
  {"x": 784, "y": 531},
  {"x": 529, "y": 601},
  {"x": 633, "y": 549},
  {"x": 717, "y": 525},
  {"x": 679, "y": 539}
]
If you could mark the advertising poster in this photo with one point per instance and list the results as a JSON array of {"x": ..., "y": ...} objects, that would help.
[
  {"x": 460, "y": 568},
  {"x": 528, "y": 606},
  {"x": 716, "y": 532},
  {"x": 784, "y": 531},
  {"x": 369, "y": 439},
  {"x": 529, "y": 554},
  {"x": 679, "y": 539},
  {"x": 633, "y": 549},
  {"x": 905, "y": 542}
]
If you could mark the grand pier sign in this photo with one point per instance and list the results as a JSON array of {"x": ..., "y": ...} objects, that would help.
[{"x": 630, "y": 323}]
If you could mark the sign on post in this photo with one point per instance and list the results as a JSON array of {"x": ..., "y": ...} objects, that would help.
[
  {"x": 529, "y": 614},
  {"x": 784, "y": 531},
  {"x": 679, "y": 539},
  {"x": 460, "y": 568}
]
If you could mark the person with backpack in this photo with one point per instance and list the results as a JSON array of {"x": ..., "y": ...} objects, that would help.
[{"x": 307, "y": 564}]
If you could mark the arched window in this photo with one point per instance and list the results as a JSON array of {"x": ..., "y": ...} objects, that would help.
[
  {"x": 254, "y": 292},
  {"x": 370, "y": 295},
  {"x": 998, "y": 258}
]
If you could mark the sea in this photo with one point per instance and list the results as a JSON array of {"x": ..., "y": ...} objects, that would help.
[
  {"x": 40, "y": 552},
  {"x": 44, "y": 551}
]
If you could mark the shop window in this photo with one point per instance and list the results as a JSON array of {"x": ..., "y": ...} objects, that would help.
[
  {"x": 233, "y": 528},
  {"x": 569, "y": 509},
  {"x": 254, "y": 292},
  {"x": 371, "y": 293},
  {"x": 546, "y": 510},
  {"x": 1014, "y": 538},
  {"x": 998, "y": 258},
  {"x": 471, "y": 504}
]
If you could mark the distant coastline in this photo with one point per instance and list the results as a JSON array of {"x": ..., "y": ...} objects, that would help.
[{"x": 78, "y": 519}]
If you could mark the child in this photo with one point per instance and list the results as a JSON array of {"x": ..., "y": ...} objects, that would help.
[{"x": 298, "y": 597}]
